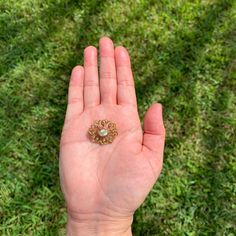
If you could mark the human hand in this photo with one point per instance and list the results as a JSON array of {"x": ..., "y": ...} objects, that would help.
[{"x": 103, "y": 185}]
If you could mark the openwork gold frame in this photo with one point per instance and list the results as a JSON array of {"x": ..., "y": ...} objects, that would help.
[{"x": 102, "y": 124}]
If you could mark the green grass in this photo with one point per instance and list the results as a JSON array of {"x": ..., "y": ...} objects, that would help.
[{"x": 183, "y": 55}]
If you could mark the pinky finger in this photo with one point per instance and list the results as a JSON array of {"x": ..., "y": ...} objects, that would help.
[{"x": 75, "y": 93}]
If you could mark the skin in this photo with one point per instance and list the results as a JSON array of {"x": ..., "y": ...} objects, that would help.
[{"x": 103, "y": 185}]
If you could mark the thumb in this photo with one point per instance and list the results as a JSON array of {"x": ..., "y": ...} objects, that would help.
[{"x": 154, "y": 131}]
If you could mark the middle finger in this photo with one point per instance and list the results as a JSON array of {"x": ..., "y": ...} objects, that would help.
[{"x": 108, "y": 83}]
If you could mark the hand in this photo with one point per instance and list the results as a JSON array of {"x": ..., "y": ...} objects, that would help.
[{"x": 103, "y": 185}]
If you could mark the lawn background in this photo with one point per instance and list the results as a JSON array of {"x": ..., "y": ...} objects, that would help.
[{"x": 183, "y": 55}]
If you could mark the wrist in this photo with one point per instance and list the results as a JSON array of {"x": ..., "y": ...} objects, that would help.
[{"x": 94, "y": 224}]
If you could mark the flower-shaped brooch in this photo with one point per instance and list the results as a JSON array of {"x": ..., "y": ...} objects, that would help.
[{"x": 103, "y": 131}]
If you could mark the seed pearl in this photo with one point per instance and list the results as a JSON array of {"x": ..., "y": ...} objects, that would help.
[{"x": 103, "y": 132}]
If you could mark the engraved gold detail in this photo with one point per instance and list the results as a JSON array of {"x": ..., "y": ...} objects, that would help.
[{"x": 103, "y": 132}]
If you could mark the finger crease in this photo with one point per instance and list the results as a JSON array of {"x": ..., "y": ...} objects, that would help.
[{"x": 74, "y": 100}]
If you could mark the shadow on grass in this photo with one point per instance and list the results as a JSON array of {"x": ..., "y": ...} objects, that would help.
[
  {"x": 216, "y": 177},
  {"x": 182, "y": 58},
  {"x": 20, "y": 44}
]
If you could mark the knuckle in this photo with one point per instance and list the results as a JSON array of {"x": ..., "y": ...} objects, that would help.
[
  {"x": 74, "y": 100},
  {"x": 91, "y": 82},
  {"x": 107, "y": 75},
  {"x": 126, "y": 82}
]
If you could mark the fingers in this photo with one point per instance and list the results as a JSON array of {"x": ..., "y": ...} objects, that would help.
[
  {"x": 116, "y": 84},
  {"x": 154, "y": 136},
  {"x": 75, "y": 93},
  {"x": 108, "y": 84},
  {"x": 91, "y": 85},
  {"x": 125, "y": 83}
]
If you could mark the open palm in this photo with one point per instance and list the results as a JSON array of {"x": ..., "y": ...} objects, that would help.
[{"x": 109, "y": 180}]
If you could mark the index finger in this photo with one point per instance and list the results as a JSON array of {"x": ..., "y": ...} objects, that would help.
[{"x": 125, "y": 82}]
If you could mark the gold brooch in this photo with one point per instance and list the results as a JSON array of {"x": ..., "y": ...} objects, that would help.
[{"x": 103, "y": 131}]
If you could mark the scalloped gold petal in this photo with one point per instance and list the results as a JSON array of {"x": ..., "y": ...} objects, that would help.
[{"x": 102, "y": 124}]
